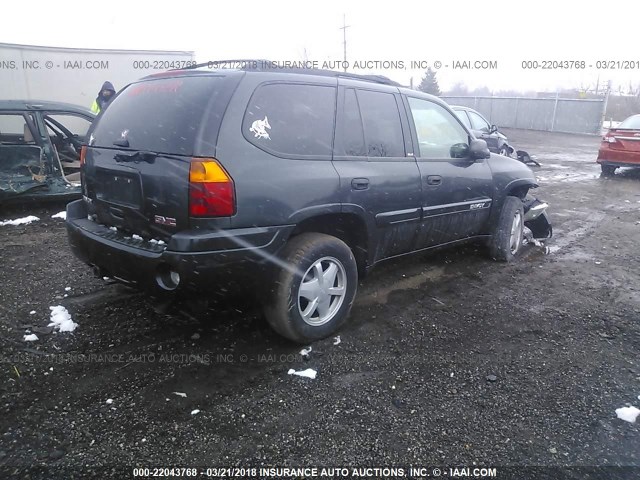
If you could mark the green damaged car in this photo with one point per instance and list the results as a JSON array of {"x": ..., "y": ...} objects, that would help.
[{"x": 40, "y": 150}]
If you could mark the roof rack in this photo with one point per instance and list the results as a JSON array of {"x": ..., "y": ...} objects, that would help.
[{"x": 262, "y": 65}]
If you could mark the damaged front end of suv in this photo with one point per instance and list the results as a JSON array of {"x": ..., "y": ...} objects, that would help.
[{"x": 536, "y": 218}]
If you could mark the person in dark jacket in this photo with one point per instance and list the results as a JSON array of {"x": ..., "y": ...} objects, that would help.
[{"x": 106, "y": 94}]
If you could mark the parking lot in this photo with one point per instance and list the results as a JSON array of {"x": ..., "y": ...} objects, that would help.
[{"x": 448, "y": 358}]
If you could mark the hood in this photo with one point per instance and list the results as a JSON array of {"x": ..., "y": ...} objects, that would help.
[{"x": 108, "y": 86}]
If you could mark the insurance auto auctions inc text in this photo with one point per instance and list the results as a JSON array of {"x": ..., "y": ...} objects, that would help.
[
  {"x": 464, "y": 64},
  {"x": 376, "y": 472}
]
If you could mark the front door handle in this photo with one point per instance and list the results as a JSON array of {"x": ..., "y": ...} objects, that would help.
[
  {"x": 434, "y": 180},
  {"x": 360, "y": 183}
]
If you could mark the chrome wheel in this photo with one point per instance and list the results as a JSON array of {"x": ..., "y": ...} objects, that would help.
[
  {"x": 516, "y": 233},
  {"x": 322, "y": 291}
]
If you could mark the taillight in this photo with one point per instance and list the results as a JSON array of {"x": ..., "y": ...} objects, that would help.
[
  {"x": 83, "y": 154},
  {"x": 211, "y": 190},
  {"x": 609, "y": 139}
]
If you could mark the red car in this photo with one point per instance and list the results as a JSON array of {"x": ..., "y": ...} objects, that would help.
[{"x": 620, "y": 147}]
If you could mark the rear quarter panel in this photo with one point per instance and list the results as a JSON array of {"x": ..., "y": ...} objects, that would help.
[{"x": 271, "y": 190}]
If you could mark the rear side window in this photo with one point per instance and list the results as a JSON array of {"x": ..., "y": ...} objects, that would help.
[
  {"x": 162, "y": 115},
  {"x": 291, "y": 119},
  {"x": 14, "y": 129},
  {"x": 462, "y": 115},
  {"x": 382, "y": 127},
  {"x": 349, "y": 133}
]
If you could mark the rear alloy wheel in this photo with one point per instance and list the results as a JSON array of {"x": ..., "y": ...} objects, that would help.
[
  {"x": 313, "y": 289},
  {"x": 608, "y": 170},
  {"x": 504, "y": 150},
  {"x": 508, "y": 233}
]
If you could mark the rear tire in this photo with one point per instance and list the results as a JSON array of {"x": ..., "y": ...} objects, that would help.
[
  {"x": 608, "y": 170},
  {"x": 506, "y": 241},
  {"x": 313, "y": 290}
]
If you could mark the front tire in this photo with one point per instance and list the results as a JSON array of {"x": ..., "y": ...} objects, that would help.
[
  {"x": 505, "y": 151},
  {"x": 506, "y": 241},
  {"x": 313, "y": 288}
]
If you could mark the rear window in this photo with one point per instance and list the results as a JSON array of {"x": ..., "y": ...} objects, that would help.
[
  {"x": 164, "y": 115},
  {"x": 631, "y": 123}
]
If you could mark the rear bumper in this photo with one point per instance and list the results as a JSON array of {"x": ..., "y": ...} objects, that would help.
[
  {"x": 618, "y": 158},
  {"x": 229, "y": 255},
  {"x": 619, "y": 163}
]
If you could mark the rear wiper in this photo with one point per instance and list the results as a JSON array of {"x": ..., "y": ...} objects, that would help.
[{"x": 136, "y": 157}]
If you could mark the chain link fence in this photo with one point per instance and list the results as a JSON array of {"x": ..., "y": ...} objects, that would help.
[{"x": 549, "y": 114}]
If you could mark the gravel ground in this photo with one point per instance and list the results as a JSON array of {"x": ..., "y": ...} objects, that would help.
[{"x": 448, "y": 359}]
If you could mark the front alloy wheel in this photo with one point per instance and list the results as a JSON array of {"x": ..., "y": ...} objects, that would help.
[
  {"x": 516, "y": 233},
  {"x": 508, "y": 231}
]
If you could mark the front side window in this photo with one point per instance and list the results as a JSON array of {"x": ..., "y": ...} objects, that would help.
[
  {"x": 440, "y": 136},
  {"x": 68, "y": 124},
  {"x": 291, "y": 119},
  {"x": 478, "y": 122},
  {"x": 382, "y": 127},
  {"x": 67, "y": 132}
]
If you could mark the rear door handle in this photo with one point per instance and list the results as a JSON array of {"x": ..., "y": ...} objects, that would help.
[
  {"x": 360, "y": 183},
  {"x": 434, "y": 180}
]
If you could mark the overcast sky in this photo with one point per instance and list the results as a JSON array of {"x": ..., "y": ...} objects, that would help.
[{"x": 508, "y": 32}]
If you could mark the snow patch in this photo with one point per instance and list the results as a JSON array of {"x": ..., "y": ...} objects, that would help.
[
  {"x": 67, "y": 289},
  {"x": 305, "y": 351},
  {"x": 309, "y": 373},
  {"x": 32, "y": 312},
  {"x": 61, "y": 319},
  {"x": 336, "y": 340},
  {"x": 62, "y": 215},
  {"x": 20, "y": 221},
  {"x": 180, "y": 394},
  {"x": 31, "y": 338},
  {"x": 195, "y": 412},
  {"x": 136, "y": 237},
  {"x": 109, "y": 401},
  {"x": 628, "y": 414}
]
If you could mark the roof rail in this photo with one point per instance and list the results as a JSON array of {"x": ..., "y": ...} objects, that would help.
[{"x": 262, "y": 65}]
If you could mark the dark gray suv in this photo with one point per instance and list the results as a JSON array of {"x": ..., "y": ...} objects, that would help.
[{"x": 299, "y": 179}]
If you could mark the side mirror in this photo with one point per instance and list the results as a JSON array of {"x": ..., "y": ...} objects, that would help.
[
  {"x": 478, "y": 149},
  {"x": 459, "y": 150},
  {"x": 493, "y": 129}
]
